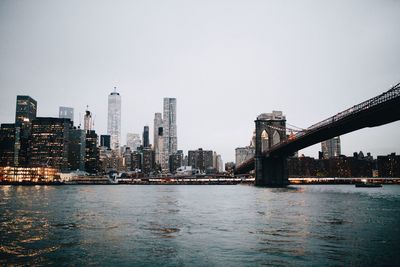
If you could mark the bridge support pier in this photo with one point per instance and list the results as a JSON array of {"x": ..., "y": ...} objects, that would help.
[{"x": 271, "y": 171}]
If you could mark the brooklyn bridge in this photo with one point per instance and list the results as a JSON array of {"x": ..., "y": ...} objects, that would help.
[{"x": 275, "y": 142}]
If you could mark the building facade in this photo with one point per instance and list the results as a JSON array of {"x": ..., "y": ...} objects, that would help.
[
  {"x": 200, "y": 159},
  {"x": 50, "y": 141},
  {"x": 146, "y": 137},
  {"x": 158, "y": 135},
  {"x": 114, "y": 119},
  {"x": 92, "y": 153},
  {"x": 169, "y": 129},
  {"x": 25, "y": 113},
  {"x": 26, "y": 109},
  {"x": 175, "y": 161},
  {"x": 8, "y": 157},
  {"x": 389, "y": 166},
  {"x": 77, "y": 149},
  {"x": 331, "y": 148}
]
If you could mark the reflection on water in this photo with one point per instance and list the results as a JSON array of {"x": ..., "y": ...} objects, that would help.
[{"x": 199, "y": 225}]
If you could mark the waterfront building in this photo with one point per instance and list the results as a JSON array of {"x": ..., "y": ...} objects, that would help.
[
  {"x": 175, "y": 161},
  {"x": 243, "y": 153},
  {"x": 77, "y": 149},
  {"x": 331, "y": 148},
  {"x": 114, "y": 119},
  {"x": 169, "y": 129},
  {"x": 8, "y": 157},
  {"x": 66, "y": 113},
  {"x": 389, "y": 166},
  {"x": 334, "y": 167},
  {"x": 200, "y": 159},
  {"x": 146, "y": 141},
  {"x": 133, "y": 141},
  {"x": 105, "y": 141},
  {"x": 92, "y": 153},
  {"x": 158, "y": 135},
  {"x": 50, "y": 140},
  {"x": 28, "y": 174}
]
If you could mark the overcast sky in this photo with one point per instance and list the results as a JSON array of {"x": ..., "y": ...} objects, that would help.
[{"x": 224, "y": 61}]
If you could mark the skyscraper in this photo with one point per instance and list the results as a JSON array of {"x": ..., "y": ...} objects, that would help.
[
  {"x": 24, "y": 115},
  {"x": 114, "y": 119},
  {"x": 146, "y": 142},
  {"x": 92, "y": 152},
  {"x": 66, "y": 113},
  {"x": 169, "y": 128},
  {"x": 331, "y": 148},
  {"x": 158, "y": 137},
  {"x": 25, "y": 110},
  {"x": 76, "y": 149},
  {"x": 87, "y": 121},
  {"x": 8, "y": 156}
]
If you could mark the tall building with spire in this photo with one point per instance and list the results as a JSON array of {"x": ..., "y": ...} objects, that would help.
[
  {"x": 169, "y": 128},
  {"x": 114, "y": 119}
]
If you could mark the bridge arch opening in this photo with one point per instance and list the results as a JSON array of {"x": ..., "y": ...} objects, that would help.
[
  {"x": 264, "y": 141},
  {"x": 276, "y": 138}
]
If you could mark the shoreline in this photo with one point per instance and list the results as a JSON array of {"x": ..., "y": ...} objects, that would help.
[{"x": 208, "y": 181}]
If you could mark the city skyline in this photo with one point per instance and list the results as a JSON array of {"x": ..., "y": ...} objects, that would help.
[{"x": 224, "y": 70}]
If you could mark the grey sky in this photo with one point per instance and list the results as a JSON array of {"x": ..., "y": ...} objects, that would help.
[{"x": 224, "y": 61}]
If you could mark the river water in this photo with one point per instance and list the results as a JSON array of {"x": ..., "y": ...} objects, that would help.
[{"x": 199, "y": 225}]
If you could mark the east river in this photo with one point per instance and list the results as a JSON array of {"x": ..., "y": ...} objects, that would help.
[{"x": 189, "y": 225}]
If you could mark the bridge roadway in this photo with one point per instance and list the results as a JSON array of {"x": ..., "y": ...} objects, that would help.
[{"x": 380, "y": 110}]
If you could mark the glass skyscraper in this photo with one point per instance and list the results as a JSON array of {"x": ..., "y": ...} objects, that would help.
[
  {"x": 114, "y": 119},
  {"x": 169, "y": 128}
]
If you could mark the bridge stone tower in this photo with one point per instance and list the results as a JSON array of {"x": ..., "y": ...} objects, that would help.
[{"x": 270, "y": 130}]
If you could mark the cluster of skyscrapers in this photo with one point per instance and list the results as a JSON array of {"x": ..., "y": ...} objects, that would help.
[{"x": 48, "y": 142}]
